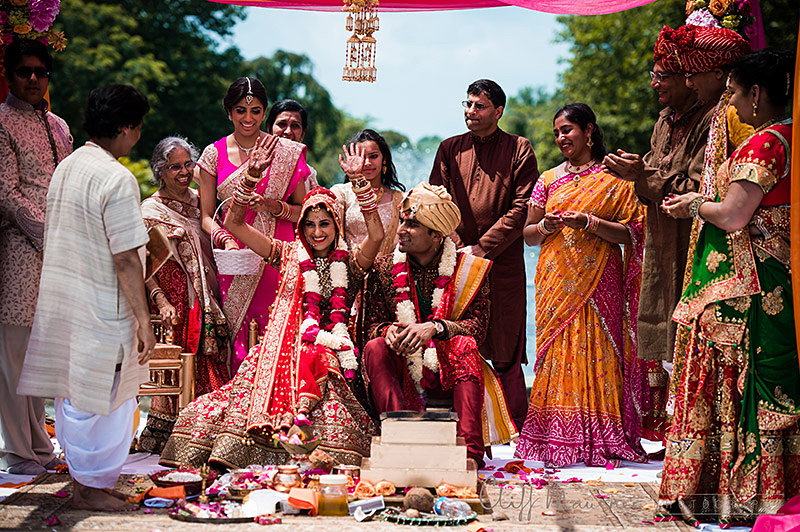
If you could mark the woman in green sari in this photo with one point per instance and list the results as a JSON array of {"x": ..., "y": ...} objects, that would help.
[{"x": 733, "y": 449}]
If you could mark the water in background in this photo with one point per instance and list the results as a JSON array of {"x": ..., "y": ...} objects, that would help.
[{"x": 414, "y": 166}]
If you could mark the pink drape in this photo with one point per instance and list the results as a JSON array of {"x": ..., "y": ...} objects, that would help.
[{"x": 560, "y": 7}]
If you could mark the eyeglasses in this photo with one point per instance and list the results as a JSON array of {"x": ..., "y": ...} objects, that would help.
[
  {"x": 175, "y": 168},
  {"x": 477, "y": 105},
  {"x": 25, "y": 72},
  {"x": 690, "y": 75},
  {"x": 658, "y": 77}
]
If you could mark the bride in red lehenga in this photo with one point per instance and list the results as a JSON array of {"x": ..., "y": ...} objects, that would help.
[{"x": 306, "y": 357}]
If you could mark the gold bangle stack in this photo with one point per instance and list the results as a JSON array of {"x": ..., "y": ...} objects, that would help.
[
  {"x": 284, "y": 211},
  {"x": 154, "y": 292}
]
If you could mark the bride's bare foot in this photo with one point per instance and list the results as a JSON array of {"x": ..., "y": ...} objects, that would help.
[{"x": 86, "y": 498}]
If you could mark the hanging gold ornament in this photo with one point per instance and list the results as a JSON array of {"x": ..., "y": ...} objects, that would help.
[{"x": 362, "y": 20}]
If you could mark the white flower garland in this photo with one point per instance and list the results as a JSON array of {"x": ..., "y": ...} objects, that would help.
[
  {"x": 406, "y": 313},
  {"x": 339, "y": 338}
]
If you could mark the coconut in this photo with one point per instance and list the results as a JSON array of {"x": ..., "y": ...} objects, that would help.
[{"x": 419, "y": 499}]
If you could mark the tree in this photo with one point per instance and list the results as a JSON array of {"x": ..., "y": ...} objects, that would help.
[
  {"x": 170, "y": 52},
  {"x": 288, "y": 75},
  {"x": 530, "y": 115},
  {"x": 611, "y": 56}
]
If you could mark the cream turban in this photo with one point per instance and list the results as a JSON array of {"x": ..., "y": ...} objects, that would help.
[{"x": 433, "y": 207}]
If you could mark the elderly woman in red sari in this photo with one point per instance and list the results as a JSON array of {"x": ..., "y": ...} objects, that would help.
[
  {"x": 306, "y": 357},
  {"x": 184, "y": 291},
  {"x": 586, "y": 401},
  {"x": 733, "y": 449}
]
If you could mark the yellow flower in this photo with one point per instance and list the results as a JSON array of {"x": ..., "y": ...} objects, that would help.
[{"x": 22, "y": 29}]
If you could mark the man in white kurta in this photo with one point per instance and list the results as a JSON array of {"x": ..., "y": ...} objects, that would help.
[{"x": 89, "y": 326}]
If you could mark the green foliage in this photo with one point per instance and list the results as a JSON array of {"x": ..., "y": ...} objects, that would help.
[
  {"x": 781, "y": 21},
  {"x": 170, "y": 52},
  {"x": 530, "y": 115},
  {"x": 141, "y": 170}
]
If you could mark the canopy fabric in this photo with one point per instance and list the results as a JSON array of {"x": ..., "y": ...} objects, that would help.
[{"x": 560, "y": 7}]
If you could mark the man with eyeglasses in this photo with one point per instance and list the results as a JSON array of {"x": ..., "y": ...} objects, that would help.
[
  {"x": 674, "y": 165},
  {"x": 490, "y": 175},
  {"x": 32, "y": 142},
  {"x": 707, "y": 54}
]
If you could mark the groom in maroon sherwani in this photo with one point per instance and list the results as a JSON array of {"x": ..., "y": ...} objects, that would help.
[{"x": 428, "y": 312}]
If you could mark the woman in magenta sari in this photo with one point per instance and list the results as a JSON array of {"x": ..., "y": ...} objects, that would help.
[{"x": 273, "y": 210}]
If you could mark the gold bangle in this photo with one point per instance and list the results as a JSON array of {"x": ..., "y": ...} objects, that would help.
[{"x": 154, "y": 292}]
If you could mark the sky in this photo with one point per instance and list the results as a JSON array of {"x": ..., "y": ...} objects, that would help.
[{"x": 425, "y": 61}]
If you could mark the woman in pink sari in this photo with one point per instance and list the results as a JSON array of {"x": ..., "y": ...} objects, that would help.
[{"x": 274, "y": 209}]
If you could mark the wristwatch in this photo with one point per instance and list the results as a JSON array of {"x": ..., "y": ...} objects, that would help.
[{"x": 439, "y": 328}]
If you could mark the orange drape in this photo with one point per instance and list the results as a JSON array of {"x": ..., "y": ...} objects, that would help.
[{"x": 795, "y": 224}]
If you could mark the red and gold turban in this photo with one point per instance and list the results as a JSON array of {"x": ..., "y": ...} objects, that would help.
[
  {"x": 704, "y": 49},
  {"x": 666, "y": 50}
]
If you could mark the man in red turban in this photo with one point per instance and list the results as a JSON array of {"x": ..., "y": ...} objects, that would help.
[
  {"x": 706, "y": 55},
  {"x": 673, "y": 165}
]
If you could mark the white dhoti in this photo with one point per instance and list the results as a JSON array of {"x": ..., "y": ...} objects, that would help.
[{"x": 95, "y": 446}]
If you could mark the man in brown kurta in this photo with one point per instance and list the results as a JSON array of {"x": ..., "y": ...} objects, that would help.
[
  {"x": 490, "y": 174},
  {"x": 674, "y": 165}
]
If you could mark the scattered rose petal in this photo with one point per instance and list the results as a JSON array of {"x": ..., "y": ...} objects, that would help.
[
  {"x": 635, "y": 475},
  {"x": 649, "y": 507},
  {"x": 490, "y": 468},
  {"x": 515, "y": 476},
  {"x": 629, "y": 485},
  {"x": 570, "y": 480},
  {"x": 609, "y": 466},
  {"x": 498, "y": 475},
  {"x": 601, "y": 496},
  {"x": 548, "y": 513},
  {"x": 481, "y": 475},
  {"x": 148, "y": 511},
  {"x": 61, "y": 494},
  {"x": 611, "y": 490},
  {"x": 53, "y": 520},
  {"x": 648, "y": 523}
]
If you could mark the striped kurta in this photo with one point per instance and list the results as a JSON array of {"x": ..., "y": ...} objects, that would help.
[{"x": 84, "y": 325}]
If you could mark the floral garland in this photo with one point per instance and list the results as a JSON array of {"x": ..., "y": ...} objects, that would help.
[
  {"x": 406, "y": 313},
  {"x": 30, "y": 19},
  {"x": 336, "y": 337}
]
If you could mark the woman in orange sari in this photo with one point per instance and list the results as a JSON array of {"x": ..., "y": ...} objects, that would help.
[{"x": 587, "y": 398}]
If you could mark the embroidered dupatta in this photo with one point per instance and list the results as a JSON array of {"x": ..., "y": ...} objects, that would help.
[
  {"x": 191, "y": 250},
  {"x": 576, "y": 269}
]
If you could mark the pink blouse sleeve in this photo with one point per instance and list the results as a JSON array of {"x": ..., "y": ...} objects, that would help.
[{"x": 539, "y": 195}]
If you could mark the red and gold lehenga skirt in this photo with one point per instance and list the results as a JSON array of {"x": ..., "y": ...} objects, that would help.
[{"x": 233, "y": 426}]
